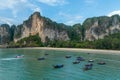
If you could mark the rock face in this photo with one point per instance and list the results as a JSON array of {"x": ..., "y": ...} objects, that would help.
[
  {"x": 99, "y": 27},
  {"x": 5, "y": 35},
  {"x": 47, "y": 29},
  {"x": 92, "y": 29}
]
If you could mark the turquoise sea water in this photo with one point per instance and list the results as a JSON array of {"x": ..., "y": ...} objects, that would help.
[{"x": 29, "y": 68}]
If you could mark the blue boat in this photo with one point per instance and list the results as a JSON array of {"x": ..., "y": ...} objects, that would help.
[
  {"x": 88, "y": 66},
  {"x": 80, "y": 59}
]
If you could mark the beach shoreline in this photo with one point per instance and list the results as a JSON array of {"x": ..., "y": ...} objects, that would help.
[{"x": 76, "y": 49}]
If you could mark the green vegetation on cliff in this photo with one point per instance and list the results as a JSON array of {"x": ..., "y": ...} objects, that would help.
[
  {"x": 109, "y": 42},
  {"x": 98, "y": 33},
  {"x": 31, "y": 41}
]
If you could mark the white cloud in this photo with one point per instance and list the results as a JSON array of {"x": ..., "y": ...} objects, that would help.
[
  {"x": 70, "y": 19},
  {"x": 6, "y": 20},
  {"x": 37, "y": 9},
  {"x": 53, "y": 2},
  {"x": 114, "y": 12},
  {"x": 17, "y": 6}
]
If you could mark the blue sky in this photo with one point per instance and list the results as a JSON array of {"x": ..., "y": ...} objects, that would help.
[{"x": 62, "y": 11}]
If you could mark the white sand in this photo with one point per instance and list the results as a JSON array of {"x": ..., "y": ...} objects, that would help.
[{"x": 78, "y": 50}]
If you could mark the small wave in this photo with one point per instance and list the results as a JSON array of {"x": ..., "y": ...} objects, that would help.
[{"x": 7, "y": 59}]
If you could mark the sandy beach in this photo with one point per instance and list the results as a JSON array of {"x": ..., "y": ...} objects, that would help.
[{"x": 78, "y": 50}]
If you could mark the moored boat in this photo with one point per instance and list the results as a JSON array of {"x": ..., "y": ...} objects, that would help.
[
  {"x": 46, "y": 54},
  {"x": 76, "y": 62},
  {"x": 19, "y": 56},
  {"x": 67, "y": 56},
  {"x": 90, "y": 60},
  {"x": 88, "y": 53},
  {"x": 42, "y": 58},
  {"x": 58, "y": 66},
  {"x": 101, "y": 63},
  {"x": 80, "y": 58},
  {"x": 88, "y": 67}
]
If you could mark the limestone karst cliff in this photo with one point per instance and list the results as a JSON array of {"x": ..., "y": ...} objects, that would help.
[
  {"x": 46, "y": 28},
  {"x": 99, "y": 27},
  {"x": 91, "y": 29},
  {"x": 5, "y": 34}
]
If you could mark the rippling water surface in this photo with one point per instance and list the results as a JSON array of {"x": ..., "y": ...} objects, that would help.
[{"x": 29, "y": 68}]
